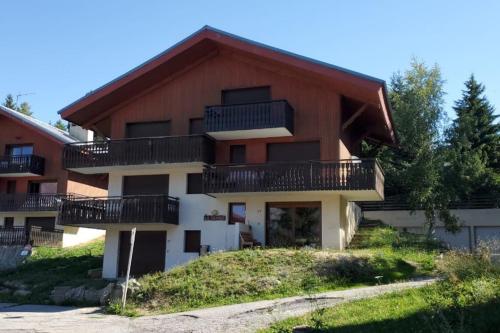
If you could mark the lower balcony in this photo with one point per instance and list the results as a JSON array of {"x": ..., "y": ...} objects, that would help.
[
  {"x": 135, "y": 209},
  {"x": 31, "y": 202},
  {"x": 21, "y": 166},
  {"x": 354, "y": 179}
]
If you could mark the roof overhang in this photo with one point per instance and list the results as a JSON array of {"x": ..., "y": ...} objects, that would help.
[
  {"x": 208, "y": 41},
  {"x": 35, "y": 125}
]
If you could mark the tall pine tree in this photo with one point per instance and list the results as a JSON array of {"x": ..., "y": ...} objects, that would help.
[
  {"x": 24, "y": 108},
  {"x": 474, "y": 143}
]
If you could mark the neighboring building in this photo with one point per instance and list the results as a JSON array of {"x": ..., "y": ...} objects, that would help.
[
  {"x": 220, "y": 135},
  {"x": 33, "y": 182}
]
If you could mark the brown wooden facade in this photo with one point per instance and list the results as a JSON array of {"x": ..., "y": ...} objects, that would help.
[{"x": 332, "y": 106}]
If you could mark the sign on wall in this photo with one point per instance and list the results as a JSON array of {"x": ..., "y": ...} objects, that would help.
[{"x": 214, "y": 216}]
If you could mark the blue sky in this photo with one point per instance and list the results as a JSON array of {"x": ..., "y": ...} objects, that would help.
[{"x": 60, "y": 50}]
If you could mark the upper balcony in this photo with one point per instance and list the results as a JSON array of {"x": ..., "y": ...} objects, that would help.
[
  {"x": 21, "y": 166},
  {"x": 354, "y": 179},
  {"x": 31, "y": 202},
  {"x": 249, "y": 121},
  {"x": 131, "y": 209},
  {"x": 103, "y": 156}
]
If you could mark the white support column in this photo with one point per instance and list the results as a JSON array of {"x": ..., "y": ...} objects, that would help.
[
  {"x": 330, "y": 223},
  {"x": 110, "y": 260}
]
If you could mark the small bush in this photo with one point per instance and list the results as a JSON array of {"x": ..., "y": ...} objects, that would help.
[{"x": 459, "y": 266}]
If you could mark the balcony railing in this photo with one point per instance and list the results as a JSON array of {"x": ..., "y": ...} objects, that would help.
[
  {"x": 156, "y": 150},
  {"x": 127, "y": 209},
  {"x": 348, "y": 175},
  {"x": 22, "y": 164},
  {"x": 31, "y": 202},
  {"x": 36, "y": 235},
  {"x": 237, "y": 117}
]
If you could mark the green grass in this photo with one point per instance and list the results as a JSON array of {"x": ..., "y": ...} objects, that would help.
[
  {"x": 249, "y": 275},
  {"x": 467, "y": 300},
  {"x": 50, "y": 267}
]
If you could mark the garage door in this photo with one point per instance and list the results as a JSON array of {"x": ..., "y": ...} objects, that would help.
[
  {"x": 46, "y": 223},
  {"x": 149, "y": 252},
  {"x": 489, "y": 235},
  {"x": 459, "y": 240}
]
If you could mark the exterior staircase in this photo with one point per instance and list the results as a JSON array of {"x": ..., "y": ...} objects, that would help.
[{"x": 363, "y": 232}]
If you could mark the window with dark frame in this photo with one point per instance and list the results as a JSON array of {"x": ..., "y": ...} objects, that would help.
[
  {"x": 19, "y": 150},
  {"x": 237, "y": 154},
  {"x": 11, "y": 186},
  {"x": 246, "y": 95},
  {"x": 194, "y": 183},
  {"x": 192, "y": 241},
  {"x": 8, "y": 222},
  {"x": 237, "y": 212},
  {"x": 147, "y": 129},
  {"x": 196, "y": 126},
  {"x": 293, "y": 151}
]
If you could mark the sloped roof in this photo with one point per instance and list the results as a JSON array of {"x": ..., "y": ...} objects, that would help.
[
  {"x": 349, "y": 83},
  {"x": 53, "y": 132}
]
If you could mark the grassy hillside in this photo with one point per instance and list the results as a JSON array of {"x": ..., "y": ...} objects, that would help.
[
  {"x": 50, "y": 267},
  {"x": 248, "y": 275},
  {"x": 467, "y": 300}
]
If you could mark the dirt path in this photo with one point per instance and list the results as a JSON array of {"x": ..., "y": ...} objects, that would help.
[{"x": 246, "y": 317}]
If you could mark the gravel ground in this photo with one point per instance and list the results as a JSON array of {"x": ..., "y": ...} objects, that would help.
[{"x": 246, "y": 317}]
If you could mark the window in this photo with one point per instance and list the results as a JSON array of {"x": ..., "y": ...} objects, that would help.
[
  {"x": 246, "y": 95},
  {"x": 293, "y": 151},
  {"x": 196, "y": 126},
  {"x": 237, "y": 212},
  {"x": 42, "y": 187},
  {"x": 237, "y": 154},
  {"x": 194, "y": 183},
  {"x": 11, "y": 186},
  {"x": 148, "y": 129},
  {"x": 8, "y": 222},
  {"x": 16, "y": 150},
  {"x": 143, "y": 185},
  {"x": 192, "y": 241}
]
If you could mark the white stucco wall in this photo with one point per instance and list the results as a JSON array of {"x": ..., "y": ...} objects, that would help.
[
  {"x": 476, "y": 225},
  {"x": 218, "y": 234}
]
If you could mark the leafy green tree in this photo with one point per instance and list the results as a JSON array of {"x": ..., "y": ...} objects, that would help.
[
  {"x": 474, "y": 143},
  {"x": 60, "y": 125},
  {"x": 24, "y": 108},
  {"x": 415, "y": 167},
  {"x": 9, "y": 102}
]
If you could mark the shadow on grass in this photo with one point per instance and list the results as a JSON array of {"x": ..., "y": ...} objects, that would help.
[
  {"x": 483, "y": 318},
  {"x": 41, "y": 275}
]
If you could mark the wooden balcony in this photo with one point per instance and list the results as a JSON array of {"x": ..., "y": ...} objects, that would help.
[
  {"x": 21, "y": 165},
  {"x": 37, "y": 236},
  {"x": 249, "y": 121},
  {"x": 100, "y": 157},
  {"x": 356, "y": 179},
  {"x": 31, "y": 202},
  {"x": 135, "y": 209}
]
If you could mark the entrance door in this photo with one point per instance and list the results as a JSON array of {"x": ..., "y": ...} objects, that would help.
[
  {"x": 149, "y": 252},
  {"x": 293, "y": 224}
]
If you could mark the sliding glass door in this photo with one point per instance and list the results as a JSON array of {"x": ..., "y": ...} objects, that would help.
[{"x": 293, "y": 224}]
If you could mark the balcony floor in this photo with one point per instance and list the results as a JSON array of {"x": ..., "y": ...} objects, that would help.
[
  {"x": 251, "y": 134},
  {"x": 149, "y": 166},
  {"x": 350, "y": 195},
  {"x": 19, "y": 174}
]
